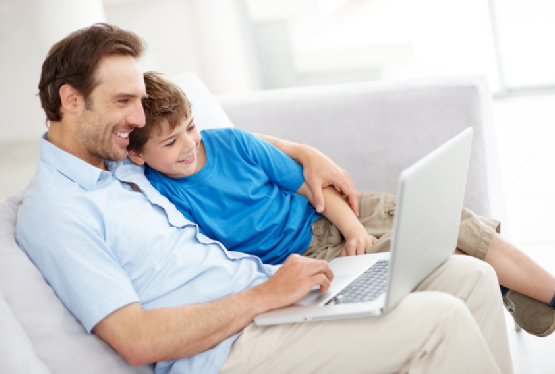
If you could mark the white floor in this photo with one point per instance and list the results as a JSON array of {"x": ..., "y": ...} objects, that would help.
[{"x": 525, "y": 128}]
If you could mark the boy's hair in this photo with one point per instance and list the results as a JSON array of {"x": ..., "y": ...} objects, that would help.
[
  {"x": 74, "y": 60},
  {"x": 165, "y": 101}
]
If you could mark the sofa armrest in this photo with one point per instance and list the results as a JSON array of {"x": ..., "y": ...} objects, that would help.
[{"x": 376, "y": 129}]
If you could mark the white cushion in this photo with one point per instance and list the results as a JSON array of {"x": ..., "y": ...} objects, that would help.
[
  {"x": 207, "y": 111},
  {"x": 57, "y": 338},
  {"x": 18, "y": 355}
]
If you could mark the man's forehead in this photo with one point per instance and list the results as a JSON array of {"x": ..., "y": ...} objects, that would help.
[{"x": 121, "y": 74}]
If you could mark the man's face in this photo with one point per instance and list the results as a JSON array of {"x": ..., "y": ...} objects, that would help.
[
  {"x": 113, "y": 111},
  {"x": 177, "y": 153}
]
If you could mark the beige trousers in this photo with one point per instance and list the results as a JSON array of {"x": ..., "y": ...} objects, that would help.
[
  {"x": 452, "y": 323},
  {"x": 376, "y": 210}
]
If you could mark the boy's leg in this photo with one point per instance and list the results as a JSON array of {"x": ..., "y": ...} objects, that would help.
[
  {"x": 479, "y": 238},
  {"x": 519, "y": 272},
  {"x": 428, "y": 332}
]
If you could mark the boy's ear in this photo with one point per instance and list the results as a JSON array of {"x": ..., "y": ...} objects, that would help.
[
  {"x": 70, "y": 98},
  {"x": 135, "y": 157}
]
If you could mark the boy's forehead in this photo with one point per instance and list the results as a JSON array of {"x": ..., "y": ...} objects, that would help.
[{"x": 164, "y": 130}]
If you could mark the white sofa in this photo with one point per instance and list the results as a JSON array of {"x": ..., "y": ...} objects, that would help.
[{"x": 374, "y": 130}]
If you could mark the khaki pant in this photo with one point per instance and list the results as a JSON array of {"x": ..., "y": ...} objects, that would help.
[
  {"x": 376, "y": 211},
  {"x": 460, "y": 329},
  {"x": 456, "y": 326}
]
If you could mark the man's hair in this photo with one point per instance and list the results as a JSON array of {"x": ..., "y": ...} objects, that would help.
[
  {"x": 74, "y": 60},
  {"x": 164, "y": 101}
]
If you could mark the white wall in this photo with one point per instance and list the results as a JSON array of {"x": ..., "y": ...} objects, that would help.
[
  {"x": 207, "y": 36},
  {"x": 20, "y": 63}
]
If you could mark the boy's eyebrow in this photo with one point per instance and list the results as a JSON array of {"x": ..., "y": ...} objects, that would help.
[
  {"x": 166, "y": 139},
  {"x": 191, "y": 120}
]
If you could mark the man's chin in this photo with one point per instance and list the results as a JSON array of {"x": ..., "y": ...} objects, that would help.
[{"x": 116, "y": 157}]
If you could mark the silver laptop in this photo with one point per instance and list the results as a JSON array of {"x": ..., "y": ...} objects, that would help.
[{"x": 430, "y": 197}]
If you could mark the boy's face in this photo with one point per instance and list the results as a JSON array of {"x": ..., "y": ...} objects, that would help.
[{"x": 178, "y": 153}]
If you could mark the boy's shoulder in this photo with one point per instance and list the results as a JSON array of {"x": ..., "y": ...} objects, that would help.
[{"x": 226, "y": 134}]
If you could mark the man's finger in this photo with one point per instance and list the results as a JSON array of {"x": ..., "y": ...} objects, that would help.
[
  {"x": 325, "y": 284},
  {"x": 317, "y": 195},
  {"x": 348, "y": 189},
  {"x": 353, "y": 203}
]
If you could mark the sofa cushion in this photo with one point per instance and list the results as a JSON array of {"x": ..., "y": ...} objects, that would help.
[
  {"x": 18, "y": 355},
  {"x": 207, "y": 111},
  {"x": 58, "y": 339}
]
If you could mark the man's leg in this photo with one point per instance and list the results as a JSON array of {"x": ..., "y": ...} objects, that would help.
[{"x": 428, "y": 332}]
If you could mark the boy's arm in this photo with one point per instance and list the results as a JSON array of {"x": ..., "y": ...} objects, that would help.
[
  {"x": 357, "y": 240},
  {"x": 319, "y": 171}
]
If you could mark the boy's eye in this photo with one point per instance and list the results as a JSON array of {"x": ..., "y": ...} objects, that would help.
[
  {"x": 191, "y": 126},
  {"x": 170, "y": 143}
]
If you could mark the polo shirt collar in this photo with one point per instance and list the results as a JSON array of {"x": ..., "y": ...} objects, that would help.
[{"x": 84, "y": 174}]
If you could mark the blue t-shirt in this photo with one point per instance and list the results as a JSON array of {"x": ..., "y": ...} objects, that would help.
[{"x": 244, "y": 196}]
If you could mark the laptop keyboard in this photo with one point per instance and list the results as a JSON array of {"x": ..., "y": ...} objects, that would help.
[{"x": 367, "y": 287}]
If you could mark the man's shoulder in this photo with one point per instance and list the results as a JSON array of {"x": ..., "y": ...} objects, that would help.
[{"x": 48, "y": 194}]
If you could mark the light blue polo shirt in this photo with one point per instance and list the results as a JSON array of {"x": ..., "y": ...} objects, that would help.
[{"x": 101, "y": 246}]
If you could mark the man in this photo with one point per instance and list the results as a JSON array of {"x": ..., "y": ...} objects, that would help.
[{"x": 141, "y": 277}]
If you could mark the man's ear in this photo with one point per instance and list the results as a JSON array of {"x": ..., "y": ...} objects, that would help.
[
  {"x": 71, "y": 99},
  {"x": 135, "y": 157}
]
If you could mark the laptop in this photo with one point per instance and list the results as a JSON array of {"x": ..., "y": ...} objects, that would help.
[{"x": 430, "y": 197}]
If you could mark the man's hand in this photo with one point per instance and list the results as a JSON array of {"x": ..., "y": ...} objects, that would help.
[
  {"x": 358, "y": 243},
  {"x": 294, "y": 280},
  {"x": 320, "y": 172}
]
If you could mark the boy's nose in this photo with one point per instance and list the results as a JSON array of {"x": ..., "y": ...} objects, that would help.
[{"x": 188, "y": 144}]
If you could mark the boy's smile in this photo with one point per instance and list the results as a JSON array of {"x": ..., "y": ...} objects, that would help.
[{"x": 178, "y": 153}]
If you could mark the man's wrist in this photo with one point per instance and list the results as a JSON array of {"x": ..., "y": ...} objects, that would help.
[{"x": 258, "y": 299}]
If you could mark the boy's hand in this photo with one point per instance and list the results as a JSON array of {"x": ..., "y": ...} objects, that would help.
[{"x": 357, "y": 243}]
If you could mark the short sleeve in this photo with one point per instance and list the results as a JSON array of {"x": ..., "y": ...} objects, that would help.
[{"x": 280, "y": 168}]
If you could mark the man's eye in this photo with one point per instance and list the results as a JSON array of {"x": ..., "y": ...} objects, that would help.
[
  {"x": 170, "y": 143},
  {"x": 123, "y": 101}
]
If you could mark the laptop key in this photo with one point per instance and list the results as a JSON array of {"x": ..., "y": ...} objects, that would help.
[{"x": 367, "y": 287}]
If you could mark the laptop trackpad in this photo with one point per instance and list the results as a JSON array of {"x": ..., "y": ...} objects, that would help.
[{"x": 315, "y": 297}]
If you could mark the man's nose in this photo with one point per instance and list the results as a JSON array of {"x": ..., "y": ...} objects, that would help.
[{"x": 137, "y": 115}]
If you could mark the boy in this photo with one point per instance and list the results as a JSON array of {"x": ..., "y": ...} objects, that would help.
[
  {"x": 239, "y": 189},
  {"x": 242, "y": 191}
]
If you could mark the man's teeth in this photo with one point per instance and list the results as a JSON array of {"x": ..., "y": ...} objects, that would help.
[{"x": 122, "y": 134}]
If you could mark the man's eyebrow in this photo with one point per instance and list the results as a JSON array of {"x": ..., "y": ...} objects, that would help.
[{"x": 124, "y": 95}]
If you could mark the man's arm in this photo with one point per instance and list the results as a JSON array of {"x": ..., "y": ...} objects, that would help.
[
  {"x": 148, "y": 336},
  {"x": 319, "y": 171},
  {"x": 357, "y": 240}
]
